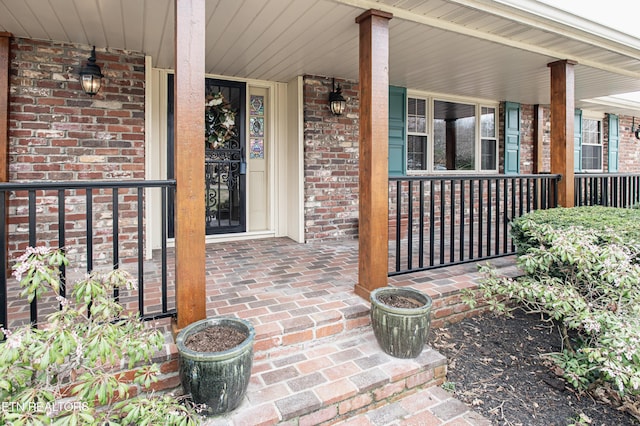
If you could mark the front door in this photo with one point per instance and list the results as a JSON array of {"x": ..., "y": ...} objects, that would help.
[{"x": 225, "y": 163}]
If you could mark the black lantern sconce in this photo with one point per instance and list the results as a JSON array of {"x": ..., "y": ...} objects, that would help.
[
  {"x": 90, "y": 75},
  {"x": 336, "y": 102},
  {"x": 635, "y": 130}
]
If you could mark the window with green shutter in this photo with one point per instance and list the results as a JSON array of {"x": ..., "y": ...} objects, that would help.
[{"x": 428, "y": 134}]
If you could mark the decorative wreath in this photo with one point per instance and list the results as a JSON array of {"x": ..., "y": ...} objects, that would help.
[{"x": 219, "y": 121}]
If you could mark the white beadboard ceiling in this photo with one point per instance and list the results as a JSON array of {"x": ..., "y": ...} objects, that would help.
[{"x": 487, "y": 49}]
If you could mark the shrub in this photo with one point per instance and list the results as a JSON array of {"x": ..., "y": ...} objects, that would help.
[
  {"x": 63, "y": 371},
  {"x": 607, "y": 222},
  {"x": 588, "y": 280}
]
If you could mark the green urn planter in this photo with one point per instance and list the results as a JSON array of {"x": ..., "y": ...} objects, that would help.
[
  {"x": 218, "y": 380},
  {"x": 401, "y": 331}
]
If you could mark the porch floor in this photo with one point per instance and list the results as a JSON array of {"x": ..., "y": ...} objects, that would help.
[{"x": 316, "y": 359}]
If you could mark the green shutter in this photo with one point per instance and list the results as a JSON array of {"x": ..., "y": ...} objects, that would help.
[
  {"x": 614, "y": 143},
  {"x": 397, "y": 130},
  {"x": 511, "y": 138},
  {"x": 577, "y": 141}
]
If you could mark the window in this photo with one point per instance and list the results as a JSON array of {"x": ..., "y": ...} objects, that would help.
[
  {"x": 489, "y": 141},
  {"x": 462, "y": 137},
  {"x": 454, "y": 136},
  {"x": 416, "y": 134},
  {"x": 591, "y": 157},
  {"x": 430, "y": 135}
]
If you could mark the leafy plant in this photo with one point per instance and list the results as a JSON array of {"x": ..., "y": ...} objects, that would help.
[
  {"x": 64, "y": 371},
  {"x": 588, "y": 281},
  {"x": 607, "y": 222}
]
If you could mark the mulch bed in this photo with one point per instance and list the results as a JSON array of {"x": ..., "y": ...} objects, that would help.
[{"x": 495, "y": 366}]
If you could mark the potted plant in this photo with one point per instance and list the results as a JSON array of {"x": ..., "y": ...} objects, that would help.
[
  {"x": 216, "y": 355},
  {"x": 401, "y": 319}
]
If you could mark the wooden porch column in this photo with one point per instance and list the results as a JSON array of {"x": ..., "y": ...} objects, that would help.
[
  {"x": 5, "y": 77},
  {"x": 5, "y": 58},
  {"x": 562, "y": 123},
  {"x": 450, "y": 141},
  {"x": 373, "y": 229},
  {"x": 189, "y": 161},
  {"x": 538, "y": 138}
]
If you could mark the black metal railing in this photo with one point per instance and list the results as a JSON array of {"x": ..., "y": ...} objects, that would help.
[
  {"x": 607, "y": 189},
  {"x": 437, "y": 221},
  {"x": 99, "y": 224}
]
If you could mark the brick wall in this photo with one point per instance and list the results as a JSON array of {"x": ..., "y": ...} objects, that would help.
[
  {"x": 526, "y": 139},
  {"x": 527, "y": 126},
  {"x": 57, "y": 132},
  {"x": 629, "y": 149},
  {"x": 331, "y": 161}
]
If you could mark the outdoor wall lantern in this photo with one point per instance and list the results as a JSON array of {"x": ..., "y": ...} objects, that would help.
[
  {"x": 91, "y": 76},
  {"x": 336, "y": 102},
  {"x": 636, "y": 131}
]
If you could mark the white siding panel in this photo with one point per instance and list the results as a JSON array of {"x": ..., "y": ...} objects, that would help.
[
  {"x": 74, "y": 27},
  {"x": 89, "y": 12}
]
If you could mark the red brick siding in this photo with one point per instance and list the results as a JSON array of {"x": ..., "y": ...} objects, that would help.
[
  {"x": 57, "y": 132},
  {"x": 330, "y": 161},
  {"x": 526, "y": 139},
  {"x": 629, "y": 149}
]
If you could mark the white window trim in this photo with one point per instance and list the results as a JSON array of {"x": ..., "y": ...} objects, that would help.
[
  {"x": 428, "y": 134},
  {"x": 597, "y": 116},
  {"x": 496, "y": 125},
  {"x": 479, "y": 103}
]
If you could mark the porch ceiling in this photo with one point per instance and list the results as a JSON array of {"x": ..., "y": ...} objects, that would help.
[{"x": 496, "y": 50}]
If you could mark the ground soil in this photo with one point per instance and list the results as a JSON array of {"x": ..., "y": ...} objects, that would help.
[
  {"x": 495, "y": 365},
  {"x": 397, "y": 301},
  {"x": 215, "y": 339}
]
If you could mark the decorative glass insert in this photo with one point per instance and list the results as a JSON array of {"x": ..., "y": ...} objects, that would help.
[
  {"x": 256, "y": 127},
  {"x": 257, "y": 105},
  {"x": 257, "y": 149}
]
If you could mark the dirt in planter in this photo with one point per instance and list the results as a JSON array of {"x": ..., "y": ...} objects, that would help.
[
  {"x": 396, "y": 301},
  {"x": 216, "y": 338}
]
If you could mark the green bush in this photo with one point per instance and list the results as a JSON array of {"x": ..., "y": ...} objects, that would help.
[
  {"x": 74, "y": 353},
  {"x": 607, "y": 222},
  {"x": 587, "y": 279}
]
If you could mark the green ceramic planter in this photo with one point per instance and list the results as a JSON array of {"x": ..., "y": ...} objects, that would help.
[
  {"x": 401, "y": 332},
  {"x": 218, "y": 380}
]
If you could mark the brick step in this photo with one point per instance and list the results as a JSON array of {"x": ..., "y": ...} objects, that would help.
[
  {"x": 330, "y": 380},
  {"x": 429, "y": 406}
]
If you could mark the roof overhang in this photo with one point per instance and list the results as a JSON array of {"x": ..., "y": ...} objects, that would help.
[{"x": 485, "y": 49}]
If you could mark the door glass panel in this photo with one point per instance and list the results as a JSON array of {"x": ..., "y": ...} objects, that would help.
[{"x": 224, "y": 163}]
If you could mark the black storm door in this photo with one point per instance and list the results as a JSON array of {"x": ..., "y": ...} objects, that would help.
[{"x": 224, "y": 164}]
